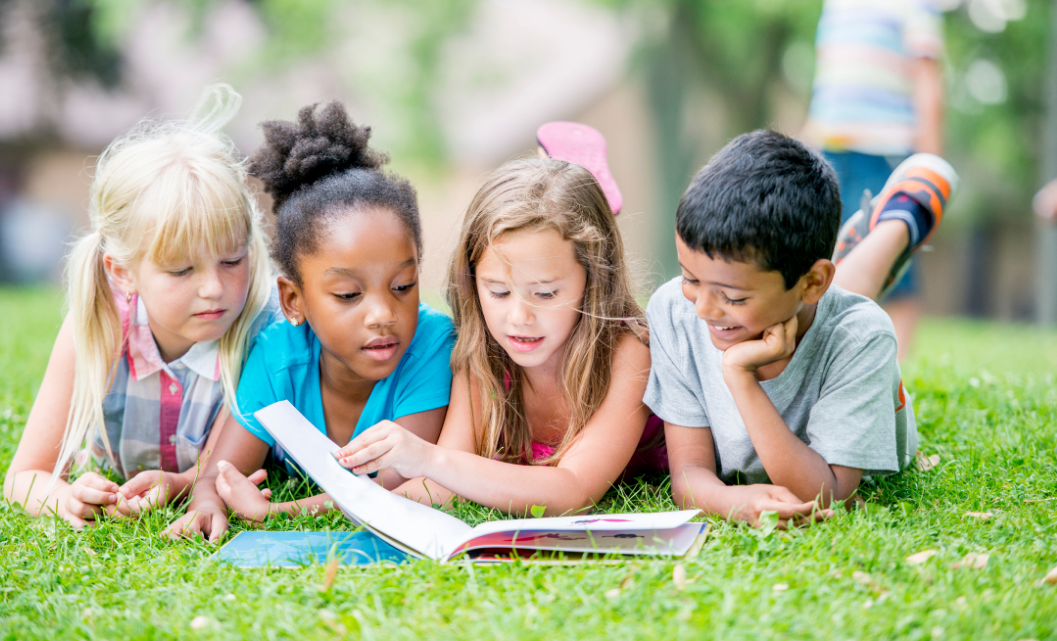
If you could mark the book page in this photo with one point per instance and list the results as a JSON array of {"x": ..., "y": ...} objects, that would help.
[
  {"x": 637, "y": 526},
  {"x": 420, "y": 528},
  {"x": 586, "y": 522},
  {"x": 668, "y": 542}
]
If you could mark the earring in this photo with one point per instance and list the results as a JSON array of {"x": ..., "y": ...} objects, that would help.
[
  {"x": 295, "y": 322},
  {"x": 128, "y": 298}
]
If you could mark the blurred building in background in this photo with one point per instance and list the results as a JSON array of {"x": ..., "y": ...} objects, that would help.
[{"x": 453, "y": 88}]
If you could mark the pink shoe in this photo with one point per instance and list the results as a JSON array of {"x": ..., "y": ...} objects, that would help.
[{"x": 584, "y": 146}]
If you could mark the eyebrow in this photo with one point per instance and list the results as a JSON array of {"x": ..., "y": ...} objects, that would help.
[
  {"x": 352, "y": 273},
  {"x": 491, "y": 281},
  {"x": 712, "y": 282}
]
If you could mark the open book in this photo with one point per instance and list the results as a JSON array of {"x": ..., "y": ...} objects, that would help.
[{"x": 425, "y": 532}]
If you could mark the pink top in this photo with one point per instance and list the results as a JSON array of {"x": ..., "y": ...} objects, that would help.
[{"x": 642, "y": 462}]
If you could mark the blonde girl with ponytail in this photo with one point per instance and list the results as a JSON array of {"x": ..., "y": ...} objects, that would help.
[{"x": 164, "y": 294}]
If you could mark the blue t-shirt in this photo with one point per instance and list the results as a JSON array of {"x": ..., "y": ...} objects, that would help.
[{"x": 284, "y": 365}]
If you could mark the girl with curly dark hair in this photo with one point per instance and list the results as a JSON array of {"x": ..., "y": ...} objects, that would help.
[{"x": 357, "y": 347}]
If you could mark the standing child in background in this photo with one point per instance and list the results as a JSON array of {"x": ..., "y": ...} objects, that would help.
[
  {"x": 774, "y": 372},
  {"x": 165, "y": 294},
  {"x": 877, "y": 98},
  {"x": 551, "y": 360},
  {"x": 358, "y": 348}
]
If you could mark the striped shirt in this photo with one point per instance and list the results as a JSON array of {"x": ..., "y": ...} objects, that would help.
[
  {"x": 158, "y": 415},
  {"x": 863, "y": 91}
]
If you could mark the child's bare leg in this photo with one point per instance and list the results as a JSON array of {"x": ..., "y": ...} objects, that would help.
[{"x": 864, "y": 270}]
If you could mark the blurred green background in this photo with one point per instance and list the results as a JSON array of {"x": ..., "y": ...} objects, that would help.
[{"x": 453, "y": 88}]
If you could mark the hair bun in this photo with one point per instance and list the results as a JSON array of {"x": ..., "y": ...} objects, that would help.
[{"x": 317, "y": 145}]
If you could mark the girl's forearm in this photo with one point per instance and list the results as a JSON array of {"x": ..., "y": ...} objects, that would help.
[
  {"x": 427, "y": 492},
  {"x": 204, "y": 493},
  {"x": 315, "y": 504},
  {"x": 30, "y": 489},
  {"x": 506, "y": 486}
]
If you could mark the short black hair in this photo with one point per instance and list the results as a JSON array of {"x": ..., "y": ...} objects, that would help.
[
  {"x": 763, "y": 197},
  {"x": 321, "y": 167}
]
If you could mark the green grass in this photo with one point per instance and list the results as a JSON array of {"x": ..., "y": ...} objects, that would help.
[{"x": 986, "y": 403}]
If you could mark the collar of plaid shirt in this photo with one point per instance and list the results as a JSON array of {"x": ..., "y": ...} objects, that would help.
[{"x": 143, "y": 357}]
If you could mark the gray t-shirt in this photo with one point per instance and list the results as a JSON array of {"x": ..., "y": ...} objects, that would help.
[{"x": 841, "y": 394}]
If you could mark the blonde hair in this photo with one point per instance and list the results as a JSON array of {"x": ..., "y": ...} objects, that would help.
[
  {"x": 161, "y": 192},
  {"x": 536, "y": 195}
]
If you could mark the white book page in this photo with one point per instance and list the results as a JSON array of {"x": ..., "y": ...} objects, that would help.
[{"x": 424, "y": 530}]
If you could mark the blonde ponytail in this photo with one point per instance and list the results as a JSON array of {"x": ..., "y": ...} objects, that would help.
[
  {"x": 95, "y": 335},
  {"x": 161, "y": 192}
]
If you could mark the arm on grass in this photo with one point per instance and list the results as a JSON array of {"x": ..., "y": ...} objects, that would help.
[
  {"x": 29, "y": 478},
  {"x": 789, "y": 462},
  {"x": 241, "y": 494},
  {"x": 580, "y": 479},
  {"x": 692, "y": 460},
  {"x": 207, "y": 514}
]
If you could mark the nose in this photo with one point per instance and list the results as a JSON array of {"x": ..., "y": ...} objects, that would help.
[
  {"x": 210, "y": 284},
  {"x": 521, "y": 312},
  {"x": 706, "y": 306},
  {"x": 379, "y": 311}
]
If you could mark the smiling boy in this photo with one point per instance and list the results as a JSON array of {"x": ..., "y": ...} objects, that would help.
[{"x": 779, "y": 388}]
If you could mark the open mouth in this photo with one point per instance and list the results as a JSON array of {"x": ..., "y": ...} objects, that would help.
[
  {"x": 381, "y": 349},
  {"x": 723, "y": 331},
  {"x": 525, "y": 343}
]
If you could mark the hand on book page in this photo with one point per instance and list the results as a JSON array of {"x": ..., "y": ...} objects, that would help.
[
  {"x": 420, "y": 528},
  {"x": 387, "y": 444},
  {"x": 435, "y": 534}
]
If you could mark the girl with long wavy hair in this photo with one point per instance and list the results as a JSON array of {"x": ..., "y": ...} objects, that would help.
[{"x": 551, "y": 360}]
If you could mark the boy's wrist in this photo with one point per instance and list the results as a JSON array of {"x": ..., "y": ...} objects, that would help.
[{"x": 739, "y": 379}]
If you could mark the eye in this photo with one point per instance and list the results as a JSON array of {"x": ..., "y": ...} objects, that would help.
[
  {"x": 547, "y": 295},
  {"x": 347, "y": 297},
  {"x": 689, "y": 281},
  {"x": 732, "y": 301},
  {"x": 498, "y": 294},
  {"x": 236, "y": 262},
  {"x": 180, "y": 272},
  {"x": 404, "y": 288}
]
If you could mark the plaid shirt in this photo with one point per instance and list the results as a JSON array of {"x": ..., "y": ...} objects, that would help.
[{"x": 158, "y": 415}]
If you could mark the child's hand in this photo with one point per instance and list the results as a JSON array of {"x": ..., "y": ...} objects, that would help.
[
  {"x": 241, "y": 494},
  {"x": 387, "y": 445},
  {"x": 778, "y": 342},
  {"x": 750, "y": 501},
  {"x": 209, "y": 520},
  {"x": 88, "y": 497},
  {"x": 150, "y": 489}
]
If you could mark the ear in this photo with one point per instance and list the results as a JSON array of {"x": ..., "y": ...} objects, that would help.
[
  {"x": 121, "y": 275},
  {"x": 291, "y": 301},
  {"x": 817, "y": 280}
]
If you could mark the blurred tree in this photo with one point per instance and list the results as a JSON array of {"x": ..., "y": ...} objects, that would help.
[
  {"x": 84, "y": 40},
  {"x": 737, "y": 53}
]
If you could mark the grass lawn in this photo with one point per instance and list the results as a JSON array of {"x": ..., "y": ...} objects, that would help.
[{"x": 985, "y": 400}]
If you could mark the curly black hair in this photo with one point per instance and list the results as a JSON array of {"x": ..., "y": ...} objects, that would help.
[{"x": 321, "y": 167}]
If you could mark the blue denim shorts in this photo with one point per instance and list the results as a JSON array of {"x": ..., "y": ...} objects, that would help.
[{"x": 857, "y": 172}]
